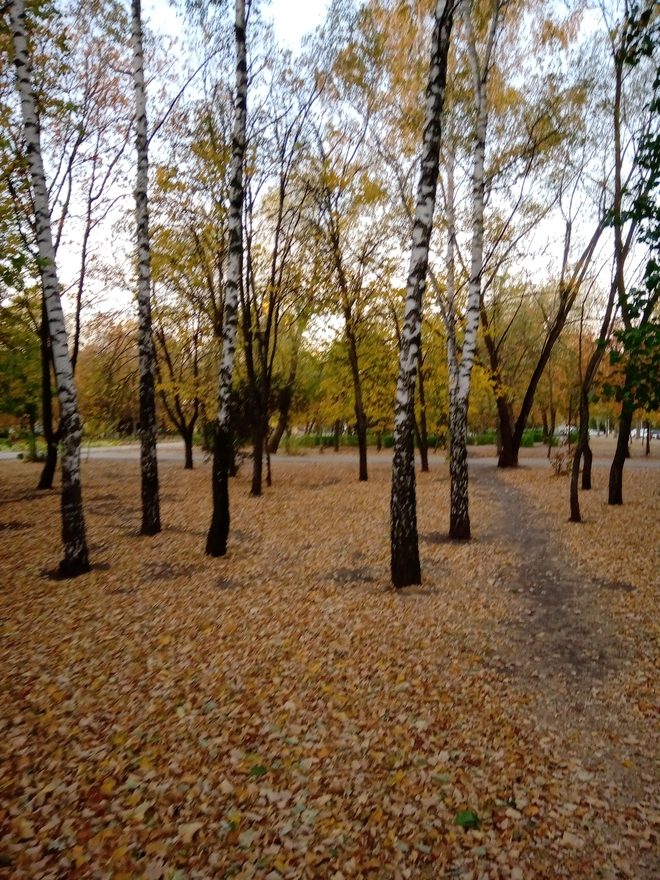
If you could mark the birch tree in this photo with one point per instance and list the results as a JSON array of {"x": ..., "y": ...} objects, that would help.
[
  {"x": 461, "y": 357},
  {"x": 405, "y": 565},
  {"x": 76, "y": 560},
  {"x": 216, "y": 542},
  {"x": 638, "y": 340},
  {"x": 148, "y": 426}
]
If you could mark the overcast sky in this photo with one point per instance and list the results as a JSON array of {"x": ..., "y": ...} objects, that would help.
[{"x": 293, "y": 18}]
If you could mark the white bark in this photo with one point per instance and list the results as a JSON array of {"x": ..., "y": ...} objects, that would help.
[
  {"x": 235, "y": 250},
  {"x": 73, "y": 525},
  {"x": 480, "y": 71},
  {"x": 148, "y": 427},
  {"x": 460, "y": 372},
  {"x": 405, "y": 551},
  {"x": 216, "y": 542}
]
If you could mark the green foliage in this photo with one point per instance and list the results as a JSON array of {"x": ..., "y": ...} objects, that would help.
[
  {"x": 467, "y": 819},
  {"x": 20, "y": 363},
  {"x": 485, "y": 438},
  {"x": 637, "y": 354}
]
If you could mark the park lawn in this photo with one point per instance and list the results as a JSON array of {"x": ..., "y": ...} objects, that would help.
[{"x": 283, "y": 713}]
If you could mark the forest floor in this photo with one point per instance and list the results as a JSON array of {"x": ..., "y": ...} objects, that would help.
[{"x": 283, "y": 713}]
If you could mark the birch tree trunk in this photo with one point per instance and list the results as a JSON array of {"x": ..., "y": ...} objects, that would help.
[
  {"x": 459, "y": 517},
  {"x": 405, "y": 566},
  {"x": 76, "y": 560},
  {"x": 216, "y": 542},
  {"x": 148, "y": 427}
]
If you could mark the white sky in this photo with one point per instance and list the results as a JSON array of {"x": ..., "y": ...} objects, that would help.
[{"x": 293, "y": 18}]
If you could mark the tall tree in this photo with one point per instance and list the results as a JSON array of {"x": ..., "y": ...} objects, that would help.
[
  {"x": 76, "y": 560},
  {"x": 216, "y": 541},
  {"x": 148, "y": 425},
  {"x": 638, "y": 341},
  {"x": 405, "y": 565},
  {"x": 82, "y": 99},
  {"x": 460, "y": 370},
  {"x": 272, "y": 289}
]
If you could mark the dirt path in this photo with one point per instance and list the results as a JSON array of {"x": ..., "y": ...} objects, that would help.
[
  {"x": 567, "y": 656},
  {"x": 562, "y": 635}
]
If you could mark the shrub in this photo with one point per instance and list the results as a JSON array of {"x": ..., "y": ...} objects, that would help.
[{"x": 486, "y": 438}]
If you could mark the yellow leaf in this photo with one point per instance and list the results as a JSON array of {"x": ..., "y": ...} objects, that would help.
[
  {"x": 234, "y": 817},
  {"x": 118, "y": 854},
  {"x": 78, "y": 856},
  {"x": 188, "y": 830},
  {"x": 23, "y": 828},
  {"x": 108, "y": 786},
  {"x": 377, "y": 816}
]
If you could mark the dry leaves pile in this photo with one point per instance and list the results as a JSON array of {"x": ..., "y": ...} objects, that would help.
[{"x": 282, "y": 713}]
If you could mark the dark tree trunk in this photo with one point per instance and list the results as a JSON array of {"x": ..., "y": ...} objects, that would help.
[
  {"x": 581, "y": 446},
  {"x": 615, "y": 495},
  {"x": 647, "y": 446},
  {"x": 361, "y": 428},
  {"x": 544, "y": 420},
  {"x": 285, "y": 398},
  {"x": 360, "y": 415},
  {"x": 588, "y": 458},
  {"x": 258, "y": 441},
  {"x": 422, "y": 432},
  {"x": 459, "y": 517},
  {"x": 216, "y": 541},
  {"x": 269, "y": 474},
  {"x": 50, "y": 465},
  {"x": 337, "y": 432},
  {"x": 188, "y": 446},
  {"x": 508, "y": 453}
]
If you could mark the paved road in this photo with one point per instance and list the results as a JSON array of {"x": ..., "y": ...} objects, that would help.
[{"x": 173, "y": 451}]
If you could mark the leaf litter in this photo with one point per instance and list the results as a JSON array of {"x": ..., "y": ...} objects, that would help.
[{"x": 303, "y": 724}]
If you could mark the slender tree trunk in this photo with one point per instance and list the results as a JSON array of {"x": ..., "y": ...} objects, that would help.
[
  {"x": 361, "y": 428},
  {"x": 216, "y": 542},
  {"x": 422, "y": 430},
  {"x": 615, "y": 495},
  {"x": 508, "y": 454},
  {"x": 188, "y": 447},
  {"x": 647, "y": 443},
  {"x": 581, "y": 446},
  {"x": 76, "y": 560},
  {"x": 269, "y": 473},
  {"x": 258, "y": 442},
  {"x": 459, "y": 519},
  {"x": 280, "y": 428},
  {"x": 459, "y": 516},
  {"x": 50, "y": 436},
  {"x": 337, "y": 432},
  {"x": 148, "y": 426},
  {"x": 360, "y": 415},
  {"x": 588, "y": 458},
  {"x": 405, "y": 564},
  {"x": 285, "y": 399}
]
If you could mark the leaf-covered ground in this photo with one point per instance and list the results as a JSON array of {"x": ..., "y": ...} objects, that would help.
[{"x": 282, "y": 713}]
